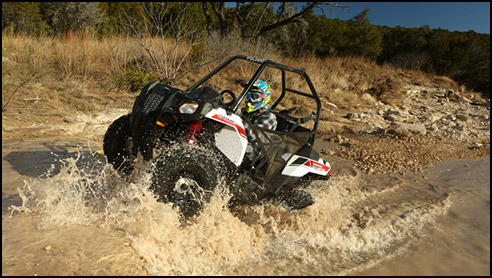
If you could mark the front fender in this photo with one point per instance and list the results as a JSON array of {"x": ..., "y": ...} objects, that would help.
[{"x": 231, "y": 139}]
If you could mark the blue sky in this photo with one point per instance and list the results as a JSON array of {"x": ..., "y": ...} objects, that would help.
[{"x": 452, "y": 16}]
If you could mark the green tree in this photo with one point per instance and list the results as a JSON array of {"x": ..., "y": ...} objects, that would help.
[
  {"x": 405, "y": 47},
  {"x": 447, "y": 51},
  {"x": 326, "y": 37},
  {"x": 64, "y": 16},
  {"x": 363, "y": 39},
  {"x": 476, "y": 74},
  {"x": 23, "y": 17}
]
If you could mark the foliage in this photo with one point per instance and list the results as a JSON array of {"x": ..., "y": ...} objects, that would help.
[
  {"x": 291, "y": 27},
  {"x": 330, "y": 39},
  {"x": 23, "y": 17},
  {"x": 363, "y": 39},
  {"x": 133, "y": 79}
]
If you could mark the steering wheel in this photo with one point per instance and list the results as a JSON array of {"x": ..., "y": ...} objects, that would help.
[{"x": 231, "y": 94}]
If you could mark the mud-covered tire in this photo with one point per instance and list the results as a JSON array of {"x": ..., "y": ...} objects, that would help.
[
  {"x": 307, "y": 180},
  {"x": 114, "y": 144},
  {"x": 297, "y": 199},
  {"x": 186, "y": 176}
]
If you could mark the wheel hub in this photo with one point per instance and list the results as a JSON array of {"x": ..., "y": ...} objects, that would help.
[{"x": 184, "y": 185}]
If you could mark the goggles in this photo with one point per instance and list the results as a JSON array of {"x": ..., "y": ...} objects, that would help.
[{"x": 254, "y": 97}]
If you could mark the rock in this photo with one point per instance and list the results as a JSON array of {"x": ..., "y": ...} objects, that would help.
[
  {"x": 351, "y": 116},
  {"x": 392, "y": 118},
  {"x": 416, "y": 128},
  {"x": 462, "y": 117},
  {"x": 451, "y": 117},
  {"x": 346, "y": 144},
  {"x": 398, "y": 130},
  {"x": 393, "y": 112},
  {"x": 404, "y": 129},
  {"x": 475, "y": 145},
  {"x": 435, "y": 117},
  {"x": 336, "y": 139},
  {"x": 460, "y": 127},
  {"x": 433, "y": 127}
]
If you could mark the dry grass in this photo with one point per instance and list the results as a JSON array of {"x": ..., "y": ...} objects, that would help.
[{"x": 79, "y": 65}]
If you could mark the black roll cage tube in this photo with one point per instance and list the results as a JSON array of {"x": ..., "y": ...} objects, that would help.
[{"x": 263, "y": 64}]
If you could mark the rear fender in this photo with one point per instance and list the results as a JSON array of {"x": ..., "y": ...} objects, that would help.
[
  {"x": 298, "y": 166},
  {"x": 231, "y": 139}
]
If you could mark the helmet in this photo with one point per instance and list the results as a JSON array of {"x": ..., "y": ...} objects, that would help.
[{"x": 258, "y": 96}]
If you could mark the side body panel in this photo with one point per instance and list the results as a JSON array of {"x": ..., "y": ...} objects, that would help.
[
  {"x": 299, "y": 166},
  {"x": 231, "y": 139}
]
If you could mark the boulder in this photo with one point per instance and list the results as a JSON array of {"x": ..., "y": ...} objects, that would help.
[
  {"x": 398, "y": 130},
  {"x": 462, "y": 117},
  {"x": 417, "y": 128},
  {"x": 404, "y": 129}
]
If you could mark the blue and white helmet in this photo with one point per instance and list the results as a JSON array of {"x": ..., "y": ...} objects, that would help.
[{"x": 258, "y": 96}]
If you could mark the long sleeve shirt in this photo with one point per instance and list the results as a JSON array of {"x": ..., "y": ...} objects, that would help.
[{"x": 263, "y": 118}]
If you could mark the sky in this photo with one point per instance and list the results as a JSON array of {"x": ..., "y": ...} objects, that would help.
[{"x": 452, "y": 16}]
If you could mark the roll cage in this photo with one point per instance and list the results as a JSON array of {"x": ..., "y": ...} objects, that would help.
[{"x": 262, "y": 65}]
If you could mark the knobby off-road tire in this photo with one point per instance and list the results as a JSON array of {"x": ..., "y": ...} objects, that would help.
[
  {"x": 114, "y": 145},
  {"x": 186, "y": 176}
]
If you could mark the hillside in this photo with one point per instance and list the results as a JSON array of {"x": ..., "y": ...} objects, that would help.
[{"x": 383, "y": 118}]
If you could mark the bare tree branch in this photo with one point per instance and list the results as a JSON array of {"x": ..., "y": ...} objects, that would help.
[
  {"x": 152, "y": 31},
  {"x": 219, "y": 10},
  {"x": 242, "y": 20},
  {"x": 287, "y": 20},
  {"x": 208, "y": 17},
  {"x": 295, "y": 17}
]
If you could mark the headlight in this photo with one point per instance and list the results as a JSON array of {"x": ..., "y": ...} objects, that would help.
[{"x": 188, "y": 108}]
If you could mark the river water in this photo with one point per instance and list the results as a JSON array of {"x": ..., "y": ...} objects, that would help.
[{"x": 66, "y": 212}]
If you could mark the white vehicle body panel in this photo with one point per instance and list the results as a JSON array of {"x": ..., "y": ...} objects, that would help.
[
  {"x": 298, "y": 166},
  {"x": 231, "y": 139}
]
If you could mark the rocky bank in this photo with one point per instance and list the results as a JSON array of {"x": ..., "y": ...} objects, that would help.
[{"x": 432, "y": 124}]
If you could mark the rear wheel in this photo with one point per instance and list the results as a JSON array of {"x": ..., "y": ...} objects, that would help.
[
  {"x": 186, "y": 176},
  {"x": 115, "y": 144},
  {"x": 297, "y": 199}
]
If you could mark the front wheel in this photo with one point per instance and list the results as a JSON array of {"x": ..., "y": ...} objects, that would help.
[
  {"x": 186, "y": 176},
  {"x": 115, "y": 145}
]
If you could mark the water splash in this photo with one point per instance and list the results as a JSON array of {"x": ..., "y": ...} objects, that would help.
[{"x": 352, "y": 225}]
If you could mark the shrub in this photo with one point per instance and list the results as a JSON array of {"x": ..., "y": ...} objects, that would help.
[{"x": 133, "y": 79}]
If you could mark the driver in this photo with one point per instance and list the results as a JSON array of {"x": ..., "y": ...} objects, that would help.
[{"x": 259, "y": 114}]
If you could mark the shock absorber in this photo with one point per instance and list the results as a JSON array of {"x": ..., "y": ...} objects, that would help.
[{"x": 194, "y": 132}]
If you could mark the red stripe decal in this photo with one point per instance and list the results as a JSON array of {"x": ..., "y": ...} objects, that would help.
[
  {"x": 312, "y": 163},
  {"x": 239, "y": 129}
]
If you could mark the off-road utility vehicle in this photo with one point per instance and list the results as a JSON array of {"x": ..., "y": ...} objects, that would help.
[{"x": 195, "y": 141}]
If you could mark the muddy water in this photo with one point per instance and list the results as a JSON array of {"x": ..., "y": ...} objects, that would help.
[{"x": 66, "y": 212}]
